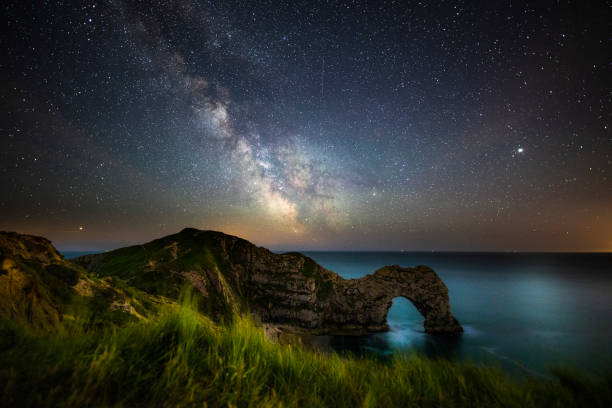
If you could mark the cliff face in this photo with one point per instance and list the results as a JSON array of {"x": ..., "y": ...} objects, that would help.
[{"x": 287, "y": 289}]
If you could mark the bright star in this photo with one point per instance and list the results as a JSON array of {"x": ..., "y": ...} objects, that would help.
[{"x": 520, "y": 150}]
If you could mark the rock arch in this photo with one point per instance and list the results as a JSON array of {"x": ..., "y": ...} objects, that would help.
[
  {"x": 369, "y": 299},
  {"x": 425, "y": 290}
]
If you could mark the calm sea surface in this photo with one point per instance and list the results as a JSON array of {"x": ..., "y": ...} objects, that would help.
[
  {"x": 74, "y": 254},
  {"x": 523, "y": 312}
]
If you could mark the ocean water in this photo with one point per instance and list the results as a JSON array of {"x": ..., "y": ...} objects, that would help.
[
  {"x": 522, "y": 312},
  {"x": 75, "y": 254}
]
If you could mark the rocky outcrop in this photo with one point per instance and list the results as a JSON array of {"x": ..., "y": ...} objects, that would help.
[
  {"x": 33, "y": 279},
  {"x": 370, "y": 298},
  {"x": 38, "y": 286},
  {"x": 28, "y": 247},
  {"x": 285, "y": 289}
]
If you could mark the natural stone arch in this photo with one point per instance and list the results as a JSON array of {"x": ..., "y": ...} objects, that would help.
[
  {"x": 375, "y": 293},
  {"x": 425, "y": 290}
]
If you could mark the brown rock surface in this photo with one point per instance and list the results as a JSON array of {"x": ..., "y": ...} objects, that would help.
[{"x": 284, "y": 289}]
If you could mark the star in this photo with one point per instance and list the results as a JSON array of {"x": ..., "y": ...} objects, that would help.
[{"x": 273, "y": 123}]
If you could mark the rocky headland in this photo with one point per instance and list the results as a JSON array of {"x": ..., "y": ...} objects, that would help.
[
  {"x": 231, "y": 275},
  {"x": 288, "y": 289}
]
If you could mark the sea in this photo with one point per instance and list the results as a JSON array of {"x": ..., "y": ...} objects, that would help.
[{"x": 523, "y": 312}]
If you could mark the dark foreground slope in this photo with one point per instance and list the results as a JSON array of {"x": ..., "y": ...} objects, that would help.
[
  {"x": 289, "y": 289},
  {"x": 171, "y": 355},
  {"x": 182, "y": 359}
]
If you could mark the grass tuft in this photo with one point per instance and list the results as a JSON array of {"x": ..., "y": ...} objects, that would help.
[{"x": 182, "y": 359}]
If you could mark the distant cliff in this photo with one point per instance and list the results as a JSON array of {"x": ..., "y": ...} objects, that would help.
[{"x": 290, "y": 289}]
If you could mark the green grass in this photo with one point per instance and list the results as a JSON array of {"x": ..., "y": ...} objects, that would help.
[
  {"x": 148, "y": 267},
  {"x": 183, "y": 359}
]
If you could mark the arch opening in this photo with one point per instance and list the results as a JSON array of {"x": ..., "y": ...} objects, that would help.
[{"x": 403, "y": 314}]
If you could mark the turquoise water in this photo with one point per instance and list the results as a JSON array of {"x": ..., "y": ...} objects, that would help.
[
  {"x": 524, "y": 312},
  {"x": 74, "y": 254}
]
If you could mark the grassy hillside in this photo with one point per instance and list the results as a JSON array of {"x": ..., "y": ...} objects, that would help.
[
  {"x": 219, "y": 266},
  {"x": 164, "y": 266},
  {"x": 70, "y": 337},
  {"x": 183, "y": 359},
  {"x": 39, "y": 288}
]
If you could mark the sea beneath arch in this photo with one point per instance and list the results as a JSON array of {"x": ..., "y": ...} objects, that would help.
[{"x": 524, "y": 312}]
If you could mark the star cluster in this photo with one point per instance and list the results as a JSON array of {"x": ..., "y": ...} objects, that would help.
[{"x": 300, "y": 124}]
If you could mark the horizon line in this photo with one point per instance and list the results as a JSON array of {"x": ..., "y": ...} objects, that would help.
[{"x": 390, "y": 251}]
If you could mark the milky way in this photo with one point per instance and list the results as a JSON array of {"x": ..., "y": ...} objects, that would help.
[{"x": 297, "y": 125}]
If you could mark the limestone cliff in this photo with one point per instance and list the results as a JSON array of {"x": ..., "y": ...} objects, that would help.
[{"x": 287, "y": 289}]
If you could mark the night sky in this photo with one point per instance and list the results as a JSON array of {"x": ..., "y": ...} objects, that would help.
[{"x": 309, "y": 125}]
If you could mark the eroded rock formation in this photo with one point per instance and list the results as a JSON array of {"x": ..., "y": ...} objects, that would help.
[
  {"x": 370, "y": 298},
  {"x": 287, "y": 289}
]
